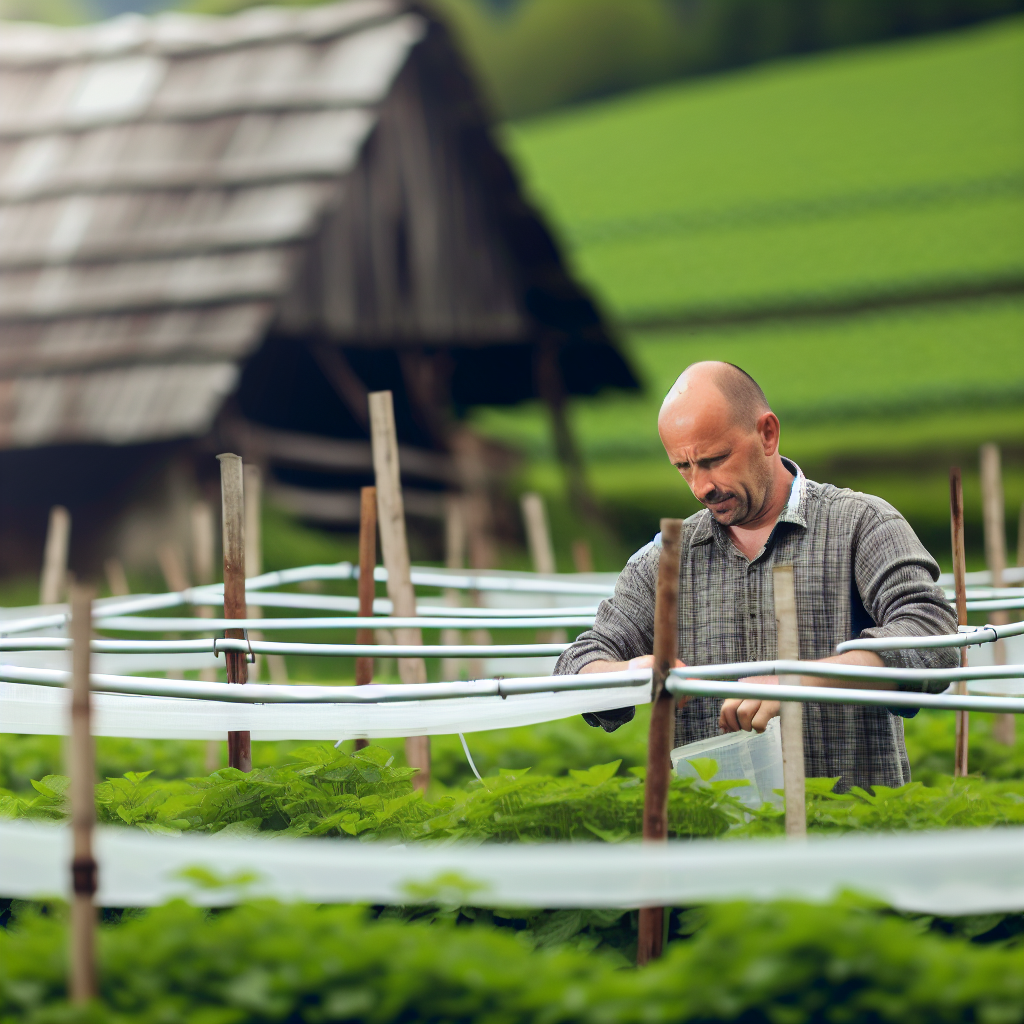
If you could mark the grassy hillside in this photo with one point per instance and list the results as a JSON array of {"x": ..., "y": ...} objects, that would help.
[
  {"x": 867, "y": 174},
  {"x": 867, "y": 171}
]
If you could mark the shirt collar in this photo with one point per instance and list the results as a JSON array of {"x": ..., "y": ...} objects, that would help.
[{"x": 794, "y": 512}]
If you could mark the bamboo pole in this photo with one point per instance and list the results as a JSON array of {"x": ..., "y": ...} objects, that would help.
[
  {"x": 791, "y": 719},
  {"x": 956, "y": 526},
  {"x": 650, "y": 936},
  {"x": 55, "y": 556},
  {"x": 993, "y": 505},
  {"x": 82, "y": 770},
  {"x": 233, "y": 535},
  {"x": 395, "y": 552},
  {"x": 367, "y": 588}
]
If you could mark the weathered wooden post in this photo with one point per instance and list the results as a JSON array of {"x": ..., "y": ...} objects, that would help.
[
  {"x": 117, "y": 578},
  {"x": 172, "y": 565},
  {"x": 233, "y": 534},
  {"x": 55, "y": 556},
  {"x": 582, "y": 556},
  {"x": 367, "y": 588},
  {"x": 82, "y": 771},
  {"x": 956, "y": 525},
  {"x": 203, "y": 545},
  {"x": 659, "y": 743},
  {"x": 395, "y": 550},
  {"x": 791, "y": 713},
  {"x": 993, "y": 505}
]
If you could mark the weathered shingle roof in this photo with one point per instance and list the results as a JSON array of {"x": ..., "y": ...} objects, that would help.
[{"x": 158, "y": 178}]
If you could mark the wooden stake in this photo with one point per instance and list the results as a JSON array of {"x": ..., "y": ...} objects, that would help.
[
  {"x": 791, "y": 717},
  {"x": 582, "y": 557},
  {"x": 82, "y": 770},
  {"x": 538, "y": 533},
  {"x": 117, "y": 578},
  {"x": 454, "y": 558},
  {"x": 1020, "y": 535},
  {"x": 233, "y": 539},
  {"x": 956, "y": 526},
  {"x": 172, "y": 565},
  {"x": 395, "y": 551},
  {"x": 659, "y": 743},
  {"x": 993, "y": 505},
  {"x": 203, "y": 544},
  {"x": 55, "y": 556},
  {"x": 367, "y": 588}
]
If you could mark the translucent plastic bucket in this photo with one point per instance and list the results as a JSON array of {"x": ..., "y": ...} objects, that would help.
[{"x": 755, "y": 757}]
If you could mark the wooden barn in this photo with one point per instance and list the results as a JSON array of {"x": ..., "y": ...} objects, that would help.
[{"x": 220, "y": 234}]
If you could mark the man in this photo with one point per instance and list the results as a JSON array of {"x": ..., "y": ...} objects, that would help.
[{"x": 858, "y": 568}]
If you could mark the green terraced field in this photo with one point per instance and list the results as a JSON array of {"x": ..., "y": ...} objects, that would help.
[{"x": 866, "y": 172}]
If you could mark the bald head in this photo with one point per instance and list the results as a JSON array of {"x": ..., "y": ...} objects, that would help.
[
  {"x": 742, "y": 394},
  {"x": 720, "y": 433}
]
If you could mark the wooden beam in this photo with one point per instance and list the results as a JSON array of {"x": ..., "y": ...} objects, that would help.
[
  {"x": 993, "y": 505},
  {"x": 395, "y": 551},
  {"x": 82, "y": 772},
  {"x": 233, "y": 538},
  {"x": 650, "y": 936},
  {"x": 55, "y": 556},
  {"x": 791, "y": 716},
  {"x": 956, "y": 526}
]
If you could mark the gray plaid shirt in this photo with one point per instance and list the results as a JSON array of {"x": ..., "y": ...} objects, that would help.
[{"x": 858, "y": 570}]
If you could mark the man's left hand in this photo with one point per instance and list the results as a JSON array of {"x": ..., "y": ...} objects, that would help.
[{"x": 748, "y": 713}]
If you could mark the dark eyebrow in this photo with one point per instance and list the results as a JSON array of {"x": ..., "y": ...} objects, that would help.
[{"x": 707, "y": 459}]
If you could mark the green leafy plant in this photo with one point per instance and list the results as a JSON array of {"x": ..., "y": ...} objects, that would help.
[{"x": 264, "y": 962}]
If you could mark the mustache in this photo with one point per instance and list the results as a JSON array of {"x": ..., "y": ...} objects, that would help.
[{"x": 716, "y": 497}]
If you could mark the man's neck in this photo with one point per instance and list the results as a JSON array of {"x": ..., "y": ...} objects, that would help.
[{"x": 751, "y": 537}]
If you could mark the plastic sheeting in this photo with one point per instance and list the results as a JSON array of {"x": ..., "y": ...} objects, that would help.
[
  {"x": 27, "y": 708},
  {"x": 965, "y": 872}
]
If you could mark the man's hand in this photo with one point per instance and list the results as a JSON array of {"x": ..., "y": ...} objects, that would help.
[
  {"x": 644, "y": 661},
  {"x": 754, "y": 714}
]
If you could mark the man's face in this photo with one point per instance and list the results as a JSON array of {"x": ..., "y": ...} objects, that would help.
[{"x": 724, "y": 463}]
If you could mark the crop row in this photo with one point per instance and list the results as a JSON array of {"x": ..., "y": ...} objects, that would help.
[{"x": 327, "y": 792}]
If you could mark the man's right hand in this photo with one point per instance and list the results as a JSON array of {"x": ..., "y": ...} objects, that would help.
[{"x": 644, "y": 661}]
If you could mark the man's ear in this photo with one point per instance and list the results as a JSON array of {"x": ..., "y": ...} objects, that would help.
[{"x": 769, "y": 430}]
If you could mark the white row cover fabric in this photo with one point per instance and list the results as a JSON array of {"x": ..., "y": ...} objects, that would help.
[
  {"x": 956, "y": 872},
  {"x": 43, "y": 710}
]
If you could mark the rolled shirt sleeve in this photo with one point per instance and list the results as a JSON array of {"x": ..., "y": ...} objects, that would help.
[{"x": 897, "y": 578}]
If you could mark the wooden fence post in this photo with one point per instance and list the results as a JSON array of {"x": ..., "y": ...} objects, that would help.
[
  {"x": 956, "y": 526},
  {"x": 791, "y": 714},
  {"x": 203, "y": 546},
  {"x": 650, "y": 935},
  {"x": 395, "y": 551},
  {"x": 82, "y": 770},
  {"x": 367, "y": 588},
  {"x": 55, "y": 556},
  {"x": 233, "y": 534},
  {"x": 582, "y": 556},
  {"x": 117, "y": 578},
  {"x": 993, "y": 505}
]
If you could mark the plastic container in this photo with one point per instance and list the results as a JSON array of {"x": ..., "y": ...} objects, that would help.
[{"x": 755, "y": 757}]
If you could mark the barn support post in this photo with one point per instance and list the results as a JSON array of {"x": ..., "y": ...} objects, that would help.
[
  {"x": 993, "y": 505},
  {"x": 791, "y": 714},
  {"x": 395, "y": 551},
  {"x": 650, "y": 936},
  {"x": 82, "y": 772},
  {"x": 55, "y": 556},
  {"x": 367, "y": 589},
  {"x": 551, "y": 387},
  {"x": 956, "y": 526},
  {"x": 233, "y": 537}
]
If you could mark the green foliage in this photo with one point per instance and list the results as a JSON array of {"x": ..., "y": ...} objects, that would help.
[
  {"x": 930, "y": 737},
  {"x": 328, "y": 792},
  {"x": 264, "y": 962}
]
